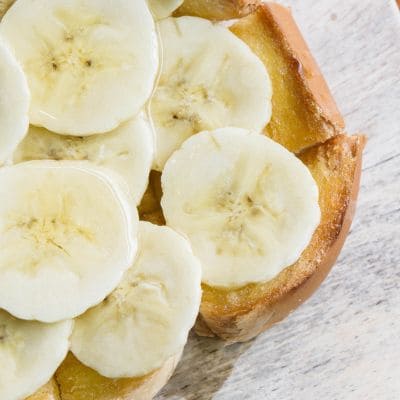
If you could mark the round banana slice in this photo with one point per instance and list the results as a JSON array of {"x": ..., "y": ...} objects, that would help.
[
  {"x": 210, "y": 79},
  {"x": 14, "y": 104},
  {"x": 91, "y": 64},
  {"x": 146, "y": 320},
  {"x": 68, "y": 233},
  {"x": 163, "y": 8},
  {"x": 30, "y": 353},
  {"x": 248, "y": 206},
  {"x": 128, "y": 150}
]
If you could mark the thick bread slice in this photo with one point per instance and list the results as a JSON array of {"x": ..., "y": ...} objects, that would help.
[
  {"x": 240, "y": 314},
  {"x": 78, "y": 382},
  {"x": 47, "y": 392},
  {"x": 217, "y": 10}
]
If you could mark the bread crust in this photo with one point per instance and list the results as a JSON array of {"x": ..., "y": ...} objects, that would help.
[
  {"x": 238, "y": 315},
  {"x": 304, "y": 112}
]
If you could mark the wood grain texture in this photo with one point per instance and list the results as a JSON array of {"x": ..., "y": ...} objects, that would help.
[{"x": 344, "y": 342}]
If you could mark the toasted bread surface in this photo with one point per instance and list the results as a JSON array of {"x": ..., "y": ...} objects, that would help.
[
  {"x": 304, "y": 112},
  {"x": 217, "y": 10},
  {"x": 240, "y": 314},
  {"x": 78, "y": 382}
]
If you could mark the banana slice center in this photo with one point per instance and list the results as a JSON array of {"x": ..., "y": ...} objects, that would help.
[
  {"x": 71, "y": 148},
  {"x": 10, "y": 339},
  {"x": 196, "y": 102},
  {"x": 49, "y": 234},
  {"x": 241, "y": 210},
  {"x": 75, "y": 57}
]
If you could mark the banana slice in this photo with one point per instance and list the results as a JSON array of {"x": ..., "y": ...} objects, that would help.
[
  {"x": 248, "y": 206},
  {"x": 209, "y": 79},
  {"x": 146, "y": 320},
  {"x": 91, "y": 64},
  {"x": 128, "y": 150},
  {"x": 14, "y": 106},
  {"x": 68, "y": 233},
  {"x": 30, "y": 353},
  {"x": 163, "y": 8}
]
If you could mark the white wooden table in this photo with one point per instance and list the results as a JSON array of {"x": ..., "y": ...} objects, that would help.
[{"x": 344, "y": 343}]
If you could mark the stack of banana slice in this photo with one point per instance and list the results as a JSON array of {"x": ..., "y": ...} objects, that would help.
[{"x": 88, "y": 107}]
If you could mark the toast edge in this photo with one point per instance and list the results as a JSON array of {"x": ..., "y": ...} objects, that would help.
[{"x": 308, "y": 69}]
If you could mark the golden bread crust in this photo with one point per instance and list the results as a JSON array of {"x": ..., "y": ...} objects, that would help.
[
  {"x": 241, "y": 314},
  {"x": 304, "y": 112},
  {"x": 78, "y": 382},
  {"x": 217, "y": 10}
]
